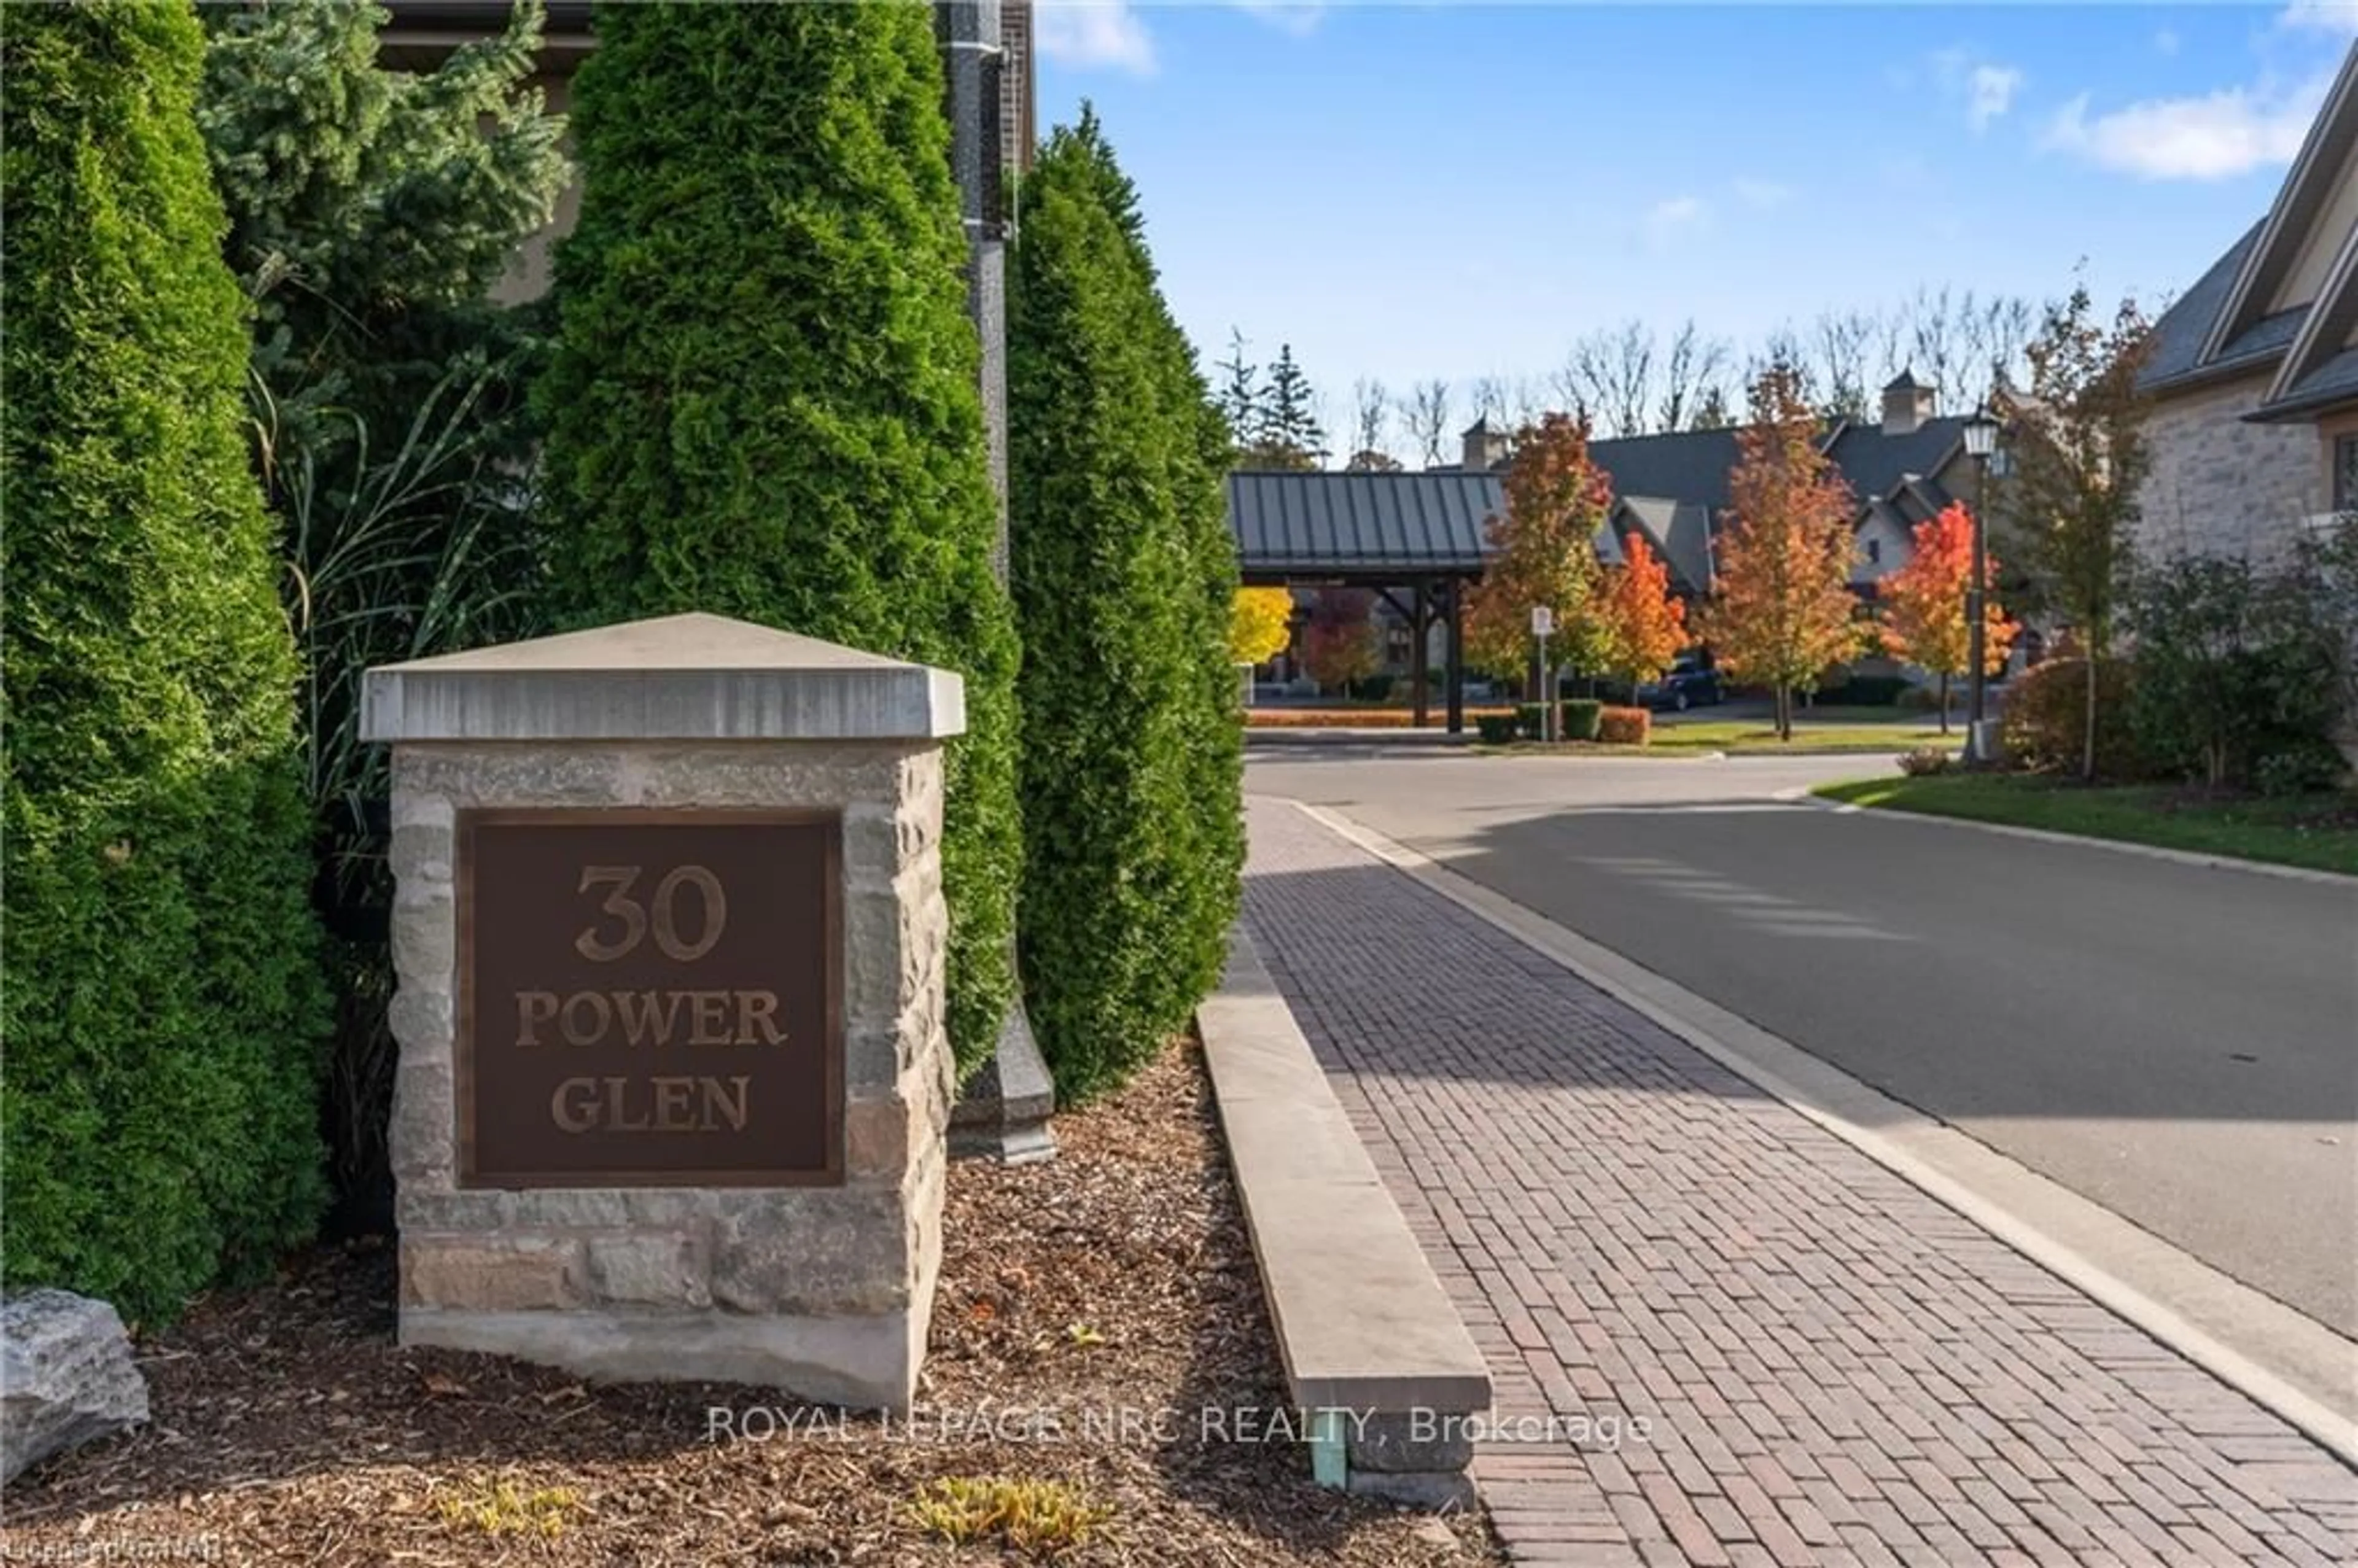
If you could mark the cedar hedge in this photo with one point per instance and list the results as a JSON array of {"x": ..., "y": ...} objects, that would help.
[
  {"x": 763, "y": 399},
  {"x": 1123, "y": 572},
  {"x": 163, "y": 1006}
]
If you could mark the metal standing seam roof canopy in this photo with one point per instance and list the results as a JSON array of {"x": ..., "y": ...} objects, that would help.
[{"x": 1342, "y": 524}]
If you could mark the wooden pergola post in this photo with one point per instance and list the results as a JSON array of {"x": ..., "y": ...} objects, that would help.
[
  {"x": 1420, "y": 623},
  {"x": 1453, "y": 662}
]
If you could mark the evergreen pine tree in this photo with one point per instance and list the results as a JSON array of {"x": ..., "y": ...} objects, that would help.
[
  {"x": 1293, "y": 435},
  {"x": 372, "y": 210},
  {"x": 1123, "y": 572},
  {"x": 162, "y": 1008},
  {"x": 1241, "y": 396},
  {"x": 763, "y": 399}
]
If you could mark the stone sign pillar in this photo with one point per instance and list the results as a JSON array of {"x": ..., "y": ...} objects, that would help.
[{"x": 669, "y": 936}]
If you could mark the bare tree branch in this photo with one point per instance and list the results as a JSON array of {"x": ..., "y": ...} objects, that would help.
[{"x": 1425, "y": 413}]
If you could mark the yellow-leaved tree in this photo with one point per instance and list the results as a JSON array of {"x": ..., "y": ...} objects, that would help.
[
  {"x": 1783, "y": 610},
  {"x": 1260, "y": 624}
]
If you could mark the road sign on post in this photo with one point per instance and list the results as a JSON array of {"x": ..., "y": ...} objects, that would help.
[{"x": 1543, "y": 626}]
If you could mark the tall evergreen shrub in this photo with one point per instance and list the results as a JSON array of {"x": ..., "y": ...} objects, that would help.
[
  {"x": 1123, "y": 573},
  {"x": 764, "y": 402},
  {"x": 161, "y": 1005}
]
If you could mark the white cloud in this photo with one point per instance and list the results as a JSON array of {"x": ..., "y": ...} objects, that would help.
[
  {"x": 1989, "y": 94},
  {"x": 1986, "y": 88},
  {"x": 2215, "y": 136},
  {"x": 2165, "y": 42},
  {"x": 2319, "y": 15},
  {"x": 1763, "y": 194},
  {"x": 1667, "y": 220},
  {"x": 1101, "y": 34},
  {"x": 1299, "y": 17}
]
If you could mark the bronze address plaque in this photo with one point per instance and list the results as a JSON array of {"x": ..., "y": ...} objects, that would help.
[{"x": 649, "y": 998}]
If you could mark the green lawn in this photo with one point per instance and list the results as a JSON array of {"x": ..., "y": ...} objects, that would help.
[
  {"x": 2317, "y": 832},
  {"x": 1822, "y": 732}
]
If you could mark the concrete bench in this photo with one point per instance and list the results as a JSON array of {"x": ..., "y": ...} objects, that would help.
[{"x": 1374, "y": 1353}]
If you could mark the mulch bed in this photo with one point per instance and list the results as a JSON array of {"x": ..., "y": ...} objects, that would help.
[{"x": 1090, "y": 1310}]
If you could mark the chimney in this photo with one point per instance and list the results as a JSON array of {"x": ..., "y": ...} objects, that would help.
[
  {"x": 1907, "y": 404},
  {"x": 1485, "y": 448}
]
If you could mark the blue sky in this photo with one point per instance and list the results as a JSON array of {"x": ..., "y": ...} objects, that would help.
[{"x": 1409, "y": 190}]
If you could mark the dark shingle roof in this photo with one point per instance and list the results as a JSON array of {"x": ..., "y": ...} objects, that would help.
[
  {"x": 2336, "y": 380},
  {"x": 1319, "y": 523},
  {"x": 1872, "y": 463},
  {"x": 2178, "y": 336},
  {"x": 1689, "y": 465}
]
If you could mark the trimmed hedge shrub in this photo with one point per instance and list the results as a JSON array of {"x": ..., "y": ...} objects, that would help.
[
  {"x": 1530, "y": 720},
  {"x": 1583, "y": 717},
  {"x": 2044, "y": 724},
  {"x": 1623, "y": 725},
  {"x": 1123, "y": 571},
  {"x": 764, "y": 398},
  {"x": 1495, "y": 728},
  {"x": 163, "y": 1006}
]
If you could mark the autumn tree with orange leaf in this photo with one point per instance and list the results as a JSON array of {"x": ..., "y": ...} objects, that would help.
[
  {"x": 1543, "y": 552},
  {"x": 1783, "y": 612},
  {"x": 1924, "y": 617},
  {"x": 1645, "y": 626}
]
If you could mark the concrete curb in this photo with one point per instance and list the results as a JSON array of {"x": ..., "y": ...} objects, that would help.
[
  {"x": 1803, "y": 796},
  {"x": 1375, "y": 1351},
  {"x": 2179, "y": 1300}
]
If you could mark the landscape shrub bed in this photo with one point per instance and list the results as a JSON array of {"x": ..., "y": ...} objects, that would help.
[
  {"x": 1625, "y": 726},
  {"x": 1360, "y": 717},
  {"x": 1581, "y": 716},
  {"x": 2045, "y": 720}
]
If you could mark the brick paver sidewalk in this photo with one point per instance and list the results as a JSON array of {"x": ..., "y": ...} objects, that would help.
[{"x": 1835, "y": 1368}]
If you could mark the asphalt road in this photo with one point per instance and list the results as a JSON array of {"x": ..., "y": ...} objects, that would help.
[{"x": 2175, "y": 1042}]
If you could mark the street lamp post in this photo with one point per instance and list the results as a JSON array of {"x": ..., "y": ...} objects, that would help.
[{"x": 1981, "y": 440}]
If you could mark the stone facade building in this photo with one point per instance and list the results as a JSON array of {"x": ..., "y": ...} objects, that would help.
[{"x": 2255, "y": 371}]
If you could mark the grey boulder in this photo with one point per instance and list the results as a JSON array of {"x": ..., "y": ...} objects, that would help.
[{"x": 66, "y": 1377}]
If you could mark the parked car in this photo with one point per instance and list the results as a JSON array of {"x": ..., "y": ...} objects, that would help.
[{"x": 1689, "y": 683}]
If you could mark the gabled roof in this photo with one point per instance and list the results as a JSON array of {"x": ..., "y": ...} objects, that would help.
[
  {"x": 1678, "y": 531},
  {"x": 2222, "y": 326},
  {"x": 2315, "y": 369},
  {"x": 1874, "y": 462},
  {"x": 1686, "y": 465}
]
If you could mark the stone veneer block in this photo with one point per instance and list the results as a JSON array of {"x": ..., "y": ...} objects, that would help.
[{"x": 822, "y": 1290}]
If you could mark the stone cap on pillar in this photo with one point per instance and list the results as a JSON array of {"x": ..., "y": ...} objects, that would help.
[{"x": 676, "y": 677}]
